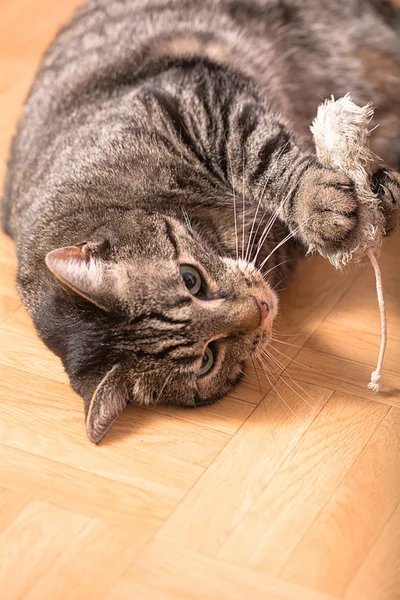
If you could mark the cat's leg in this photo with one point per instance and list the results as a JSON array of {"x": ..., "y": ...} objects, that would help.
[
  {"x": 325, "y": 207},
  {"x": 319, "y": 205}
]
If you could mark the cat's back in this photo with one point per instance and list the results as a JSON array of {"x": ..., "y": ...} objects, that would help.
[
  {"x": 83, "y": 98},
  {"x": 84, "y": 94}
]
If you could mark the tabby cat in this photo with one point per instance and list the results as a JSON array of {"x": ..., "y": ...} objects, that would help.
[{"x": 163, "y": 179}]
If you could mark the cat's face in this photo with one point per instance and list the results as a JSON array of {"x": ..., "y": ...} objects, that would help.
[{"x": 164, "y": 319}]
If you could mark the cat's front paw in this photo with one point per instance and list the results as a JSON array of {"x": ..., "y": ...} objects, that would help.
[{"x": 326, "y": 209}]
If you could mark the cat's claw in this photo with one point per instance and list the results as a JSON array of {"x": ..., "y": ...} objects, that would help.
[{"x": 386, "y": 185}]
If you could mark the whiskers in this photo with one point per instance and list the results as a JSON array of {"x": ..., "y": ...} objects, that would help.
[
  {"x": 272, "y": 367},
  {"x": 243, "y": 209},
  {"x": 251, "y": 250},
  {"x": 234, "y": 202},
  {"x": 167, "y": 380},
  {"x": 278, "y": 341},
  {"x": 248, "y": 253},
  {"x": 286, "y": 374},
  {"x": 283, "y": 262},
  {"x": 187, "y": 219},
  {"x": 263, "y": 367}
]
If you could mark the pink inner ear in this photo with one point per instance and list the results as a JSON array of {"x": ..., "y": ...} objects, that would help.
[
  {"x": 75, "y": 267},
  {"x": 78, "y": 253}
]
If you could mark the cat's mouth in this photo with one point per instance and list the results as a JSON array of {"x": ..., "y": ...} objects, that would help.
[{"x": 261, "y": 338}]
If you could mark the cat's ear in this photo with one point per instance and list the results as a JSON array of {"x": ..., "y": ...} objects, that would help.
[
  {"x": 108, "y": 401},
  {"x": 82, "y": 269}
]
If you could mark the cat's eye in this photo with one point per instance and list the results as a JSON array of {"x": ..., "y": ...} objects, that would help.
[
  {"x": 191, "y": 278},
  {"x": 207, "y": 361}
]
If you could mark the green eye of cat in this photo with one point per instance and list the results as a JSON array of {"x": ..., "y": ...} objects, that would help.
[
  {"x": 191, "y": 278},
  {"x": 207, "y": 361}
]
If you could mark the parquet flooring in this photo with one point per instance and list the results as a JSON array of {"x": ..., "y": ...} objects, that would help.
[{"x": 266, "y": 496}]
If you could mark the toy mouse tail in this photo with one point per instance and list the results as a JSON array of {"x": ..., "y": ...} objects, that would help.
[{"x": 375, "y": 384}]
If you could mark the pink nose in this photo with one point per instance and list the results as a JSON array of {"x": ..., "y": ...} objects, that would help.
[{"x": 264, "y": 309}]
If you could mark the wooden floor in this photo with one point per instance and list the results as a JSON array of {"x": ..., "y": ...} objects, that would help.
[{"x": 274, "y": 497}]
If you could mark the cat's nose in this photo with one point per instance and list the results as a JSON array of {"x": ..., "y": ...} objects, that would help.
[
  {"x": 263, "y": 308},
  {"x": 227, "y": 317}
]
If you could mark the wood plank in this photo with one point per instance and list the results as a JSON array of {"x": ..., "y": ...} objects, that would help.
[
  {"x": 248, "y": 391},
  {"x": 214, "y": 507},
  {"x": 282, "y": 514},
  {"x": 8, "y": 306},
  {"x": 193, "y": 443},
  {"x": 344, "y": 376},
  {"x": 30, "y": 545},
  {"x": 29, "y": 354},
  {"x": 10, "y": 107},
  {"x": 20, "y": 322},
  {"x": 361, "y": 311},
  {"x": 39, "y": 31},
  {"x": 167, "y": 572},
  {"x": 313, "y": 292},
  {"x": 359, "y": 307},
  {"x": 91, "y": 564},
  {"x": 379, "y": 576},
  {"x": 164, "y": 435},
  {"x": 14, "y": 69},
  {"x": 92, "y": 495},
  {"x": 226, "y": 415},
  {"x": 332, "y": 338},
  {"x": 7, "y": 251},
  {"x": 353, "y": 518},
  {"x": 11, "y": 504},
  {"x": 46, "y": 420},
  {"x": 7, "y": 280}
]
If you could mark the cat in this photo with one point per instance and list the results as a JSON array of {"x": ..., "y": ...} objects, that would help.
[{"x": 163, "y": 181}]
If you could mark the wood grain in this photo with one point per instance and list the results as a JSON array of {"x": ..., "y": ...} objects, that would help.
[
  {"x": 32, "y": 542},
  {"x": 11, "y": 504},
  {"x": 168, "y": 572},
  {"x": 287, "y": 506},
  {"x": 379, "y": 576},
  {"x": 287, "y": 489},
  {"x": 231, "y": 485},
  {"x": 105, "y": 552},
  {"x": 352, "y": 527}
]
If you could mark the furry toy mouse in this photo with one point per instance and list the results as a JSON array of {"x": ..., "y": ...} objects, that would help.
[{"x": 341, "y": 132}]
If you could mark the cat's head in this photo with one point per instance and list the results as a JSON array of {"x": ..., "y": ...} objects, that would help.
[{"x": 153, "y": 318}]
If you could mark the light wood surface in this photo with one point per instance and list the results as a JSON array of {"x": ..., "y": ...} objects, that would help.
[{"x": 292, "y": 494}]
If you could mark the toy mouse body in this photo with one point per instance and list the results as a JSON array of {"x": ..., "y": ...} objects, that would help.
[{"x": 341, "y": 135}]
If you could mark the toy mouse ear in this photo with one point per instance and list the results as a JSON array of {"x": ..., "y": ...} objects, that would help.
[
  {"x": 107, "y": 403},
  {"x": 82, "y": 269}
]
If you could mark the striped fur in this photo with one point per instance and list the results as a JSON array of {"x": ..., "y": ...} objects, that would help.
[{"x": 173, "y": 132}]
